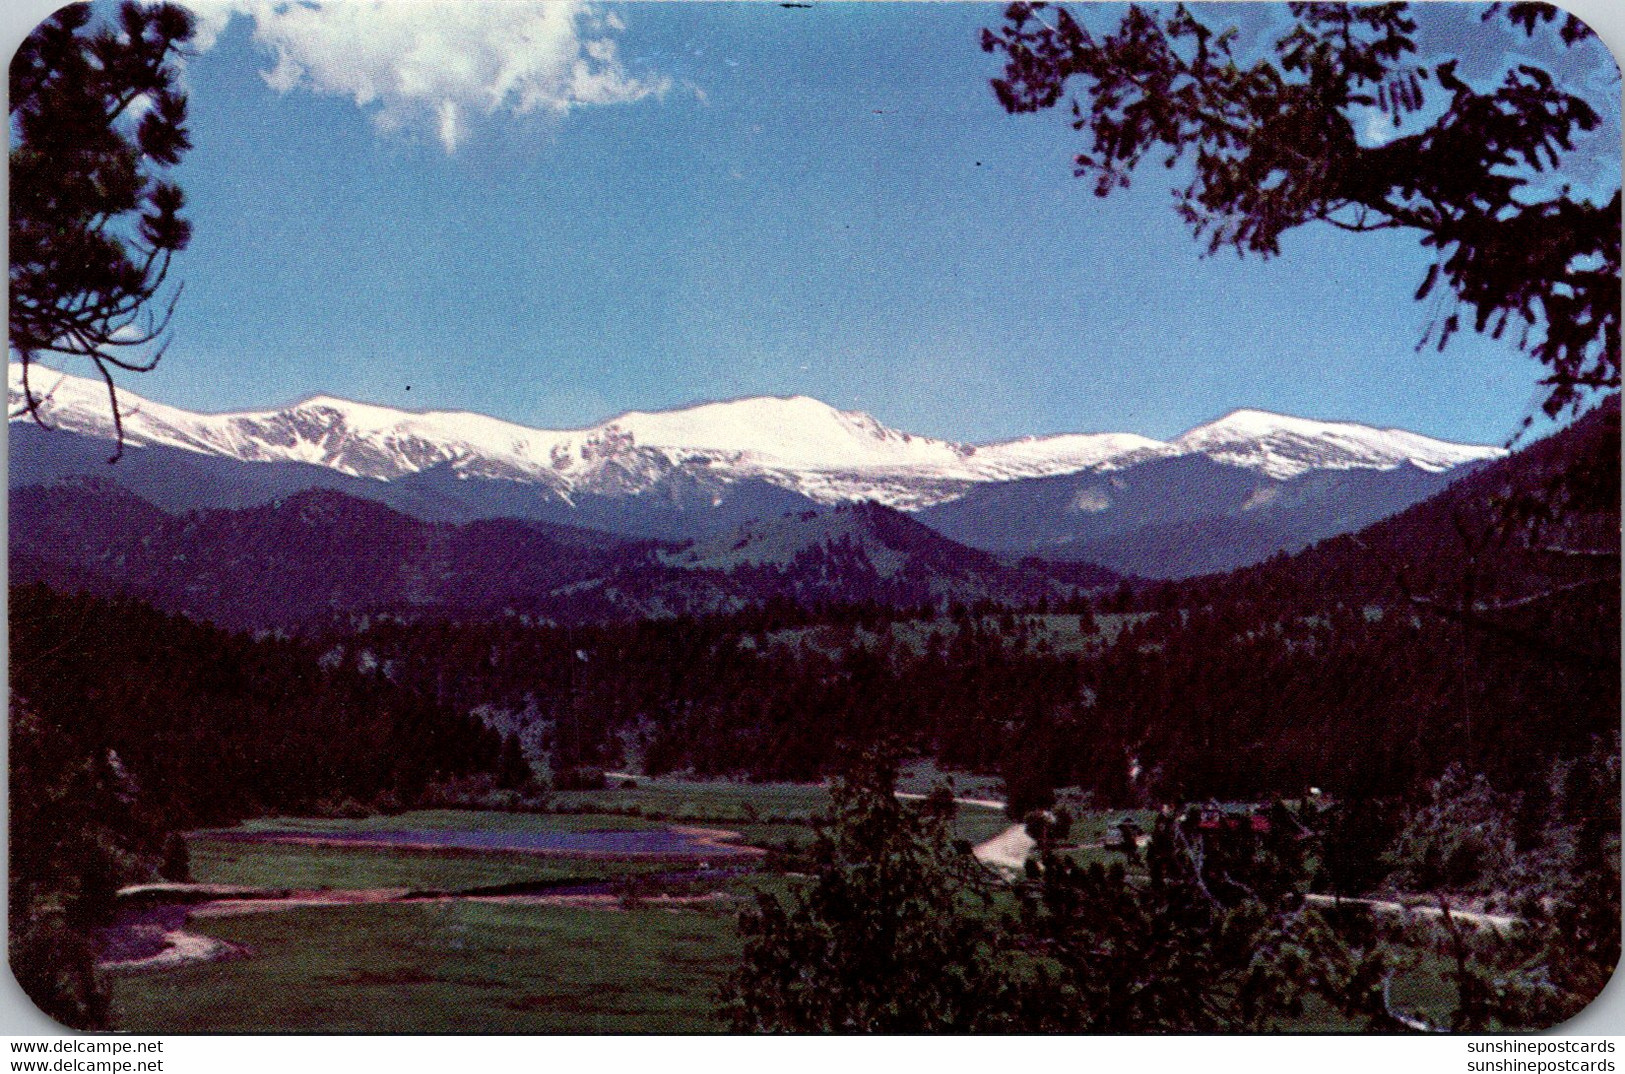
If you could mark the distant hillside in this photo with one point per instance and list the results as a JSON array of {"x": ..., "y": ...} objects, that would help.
[
  {"x": 1181, "y": 516},
  {"x": 315, "y": 556},
  {"x": 322, "y": 556},
  {"x": 866, "y": 552},
  {"x": 1475, "y": 529}
]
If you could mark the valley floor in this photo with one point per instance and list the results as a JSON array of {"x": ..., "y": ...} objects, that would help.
[{"x": 348, "y": 935}]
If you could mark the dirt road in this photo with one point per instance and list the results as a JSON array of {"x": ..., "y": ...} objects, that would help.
[
  {"x": 985, "y": 803},
  {"x": 1006, "y": 851},
  {"x": 1386, "y": 906}
]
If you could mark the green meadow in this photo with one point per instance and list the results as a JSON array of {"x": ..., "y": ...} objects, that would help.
[
  {"x": 459, "y": 966},
  {"x": 282, "y": 865},
  {"x": 449, "y": 967}
]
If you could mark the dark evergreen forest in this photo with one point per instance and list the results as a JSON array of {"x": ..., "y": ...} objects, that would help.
[
  {"x": 1370, "y": 663},
  {"x": 129, "y": 726}
]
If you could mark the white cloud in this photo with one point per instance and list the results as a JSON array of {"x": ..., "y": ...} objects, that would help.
[{"x": 437, "y": 65}]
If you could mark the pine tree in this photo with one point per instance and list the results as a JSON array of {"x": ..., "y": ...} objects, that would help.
[
  {"x": 891, "y": 935},
  {"x": 97, "y": 116},
  {"x": 1275, "y": 146}
]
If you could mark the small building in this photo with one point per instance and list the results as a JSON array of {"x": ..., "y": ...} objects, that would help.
[{"x": 1228, "y": 818}]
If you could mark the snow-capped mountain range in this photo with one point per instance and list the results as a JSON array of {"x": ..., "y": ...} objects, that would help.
[{"x": 798, "y": 444}]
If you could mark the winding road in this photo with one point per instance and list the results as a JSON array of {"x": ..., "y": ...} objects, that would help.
[{"x": 1387, "y": 906}]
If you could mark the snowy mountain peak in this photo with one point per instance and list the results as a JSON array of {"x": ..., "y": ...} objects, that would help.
[
  {"x": 798, "y": 432},
  {"x": 796, "y": 442},
  {"x": 1248, "y": 421},
  {"x": 1284, "y": 447}
]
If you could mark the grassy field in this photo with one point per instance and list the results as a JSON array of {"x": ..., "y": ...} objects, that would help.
[
  {"x": 439, "y": 967},
  {"x": 484, "y": 968},
  {"x": 978, "y": 825},
  {"x": 283, "y": 865},
  {"x": 923, "y": 776},
  {"x": 454, "y": 820},
  {"x": 444, "y": 968},
  {"x": 713, "y": 801},
  {"x": 479, "y": 967},
  {"x": 1098, "y": 826},
  {"x": 773, "y": 815}
]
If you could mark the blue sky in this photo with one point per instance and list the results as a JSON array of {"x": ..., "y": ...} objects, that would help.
[{"x": 741, "y": 199}]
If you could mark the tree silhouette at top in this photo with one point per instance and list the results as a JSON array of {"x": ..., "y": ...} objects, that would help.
[
  {"x": 96, "y": 118},
  {"x": 1277, "y": 143}
]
